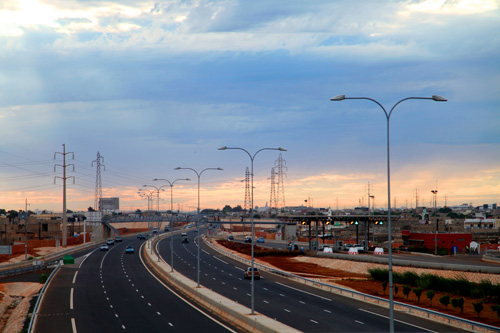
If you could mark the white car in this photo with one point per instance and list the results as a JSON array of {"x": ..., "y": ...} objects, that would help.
[{"x": 104, "y": 247}]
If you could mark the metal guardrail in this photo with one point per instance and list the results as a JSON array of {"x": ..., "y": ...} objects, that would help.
[
  {"x": 40, "y": 295},
  {"x": 411, "y": 309},
  {"x": 22, "y": 270}
]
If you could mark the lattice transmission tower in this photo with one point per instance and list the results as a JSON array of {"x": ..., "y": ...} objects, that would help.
[
  {"x": 273, "y": 201},
  {"x": 280, "y": 166},
  {"x": 248, "y": 199},
  {"x": 98, "y": 184}
]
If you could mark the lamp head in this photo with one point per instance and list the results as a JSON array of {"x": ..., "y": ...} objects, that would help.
[
  {"x": 438, "y": 98},
  {"x": 155, "y": 179},
  {"x": 282, "y": 149},
  {"x": 337, "y": 98},
  {"x": 220, "y": 169},
  {"x": 178, "y": 168},
  {"x": 187, "y": 179},
  {"x": 222, "y": 148}
]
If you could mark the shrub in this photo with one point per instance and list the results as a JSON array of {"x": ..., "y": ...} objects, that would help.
[
  {"x": 430, "y": 295},
  {"x": 477, "y": 293},
  {"x": 418, "y": 293},
  {"x": 410, "y": 278},
  {"x": 406, "y": 291},
  {"x": 379, "y": 274},
  {"x": 461, "y": 286},
  {"x": 43, "y": 278},
  {"x": 445, "y": 300},
  {"x": 478, "y": 307},
  {"x": 396, "y": 289},
  {"x": 458, "y": 303}
]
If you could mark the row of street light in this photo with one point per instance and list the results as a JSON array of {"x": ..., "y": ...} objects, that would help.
[{"x": 252, "y": 157}]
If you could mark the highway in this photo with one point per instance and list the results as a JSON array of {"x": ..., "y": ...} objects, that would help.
[
  {"x": 110, "y": 291},
  {"x": 304, "y": 308}
]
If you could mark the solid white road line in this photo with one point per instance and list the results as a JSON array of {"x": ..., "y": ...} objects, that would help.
[
  {"x": 73, "y": 325},
  {"x": 222, "y": 260},
  {"x": 71, "y": 299},
  {"x": 305, "y": 292},
  {"x": 400, "y": 321},
  {"x": 74, "y": 277}
]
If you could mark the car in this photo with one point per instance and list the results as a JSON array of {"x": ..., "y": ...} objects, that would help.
[
  {"x": 185, "y": 240},
  {"x": 260, "y": 240},
  {"x": 141, "y": 236},
  {"x": 347, "y": 247},
  {"x": 110, "y": 241},
  {"x": 129, "y": 249},
  {"x": 248, "y": 239},
  {"x": 248, "y": 273},
  {"x": 104, "y": 247},
  {"x": 166, "y": 229},
  {"x": 323, "y": 247},
  {"x": 230, "y": 237},
  {"x": 118, "y": 239}
]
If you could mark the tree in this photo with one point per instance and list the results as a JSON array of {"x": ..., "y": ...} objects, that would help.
[
  {"x": 384, "y": 286},
  {"x": 406, "y": 291},
  {"x": 418, "y": 293},
  {"x": 478, "y": 307},
  {"x": 226, "y": 209},
  {"x": 430, "y": 295},
  {"x": 90, "y": 209},
  {"x": 458, "y": 303},
  {"x": 138, "y": 211},
  {"x": 12, "y": 214},
  {"x": 445, "y": 300},
  {"x": 396, "y": 289},
  {"x": 496, "y": 308}
]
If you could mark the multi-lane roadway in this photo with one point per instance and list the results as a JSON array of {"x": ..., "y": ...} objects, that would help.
[
  {"x": 111, "y": 291},
  {"x": 304, "y": 308}
]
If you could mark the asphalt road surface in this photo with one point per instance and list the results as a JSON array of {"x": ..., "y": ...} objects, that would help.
[
  {"x": 304, "y": 308},
  {"x": 111, "y": 291}
]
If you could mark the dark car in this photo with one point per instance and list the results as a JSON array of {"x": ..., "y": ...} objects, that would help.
[
  {"x": 248, "y": 239},
  {"x": 230, "y": 237},
  {"x": 118, "y": 239},
  {"x": 141, "y": 236},
  {"x": 185, "y": 240}
]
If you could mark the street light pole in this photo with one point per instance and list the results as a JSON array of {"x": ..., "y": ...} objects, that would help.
[
  {"x": 198, "y": 211},
  {"x": 388, "y": 116},
  {"x": 251, "y": 215},
  {"x": 171, "y": 219},
  {"x": 149, "y": 195},
  {"x": 434, "y": 192}
]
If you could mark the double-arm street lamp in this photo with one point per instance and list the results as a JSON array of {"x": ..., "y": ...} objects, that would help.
[
  {"x": 388, "y": 116},
  {"x": 252, "y": 157},
  {"x": 198, "y": 211},
  {"x": 172, "y": 218}
]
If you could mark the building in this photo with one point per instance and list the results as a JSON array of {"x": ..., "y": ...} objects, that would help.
[
  {"x": 444, "y": 240},
  {"x": 481, "y": 222}
]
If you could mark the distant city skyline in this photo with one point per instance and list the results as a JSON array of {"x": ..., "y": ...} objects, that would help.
[{"x": 154, "y": 86}]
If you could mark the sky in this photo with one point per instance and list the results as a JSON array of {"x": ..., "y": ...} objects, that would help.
[{"x": 153, "y": 86}]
